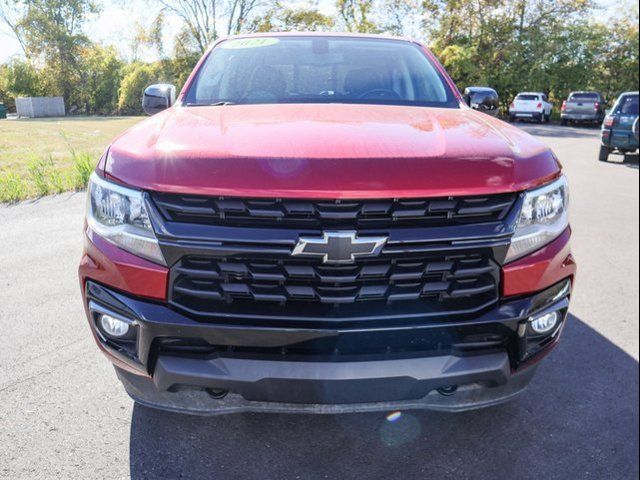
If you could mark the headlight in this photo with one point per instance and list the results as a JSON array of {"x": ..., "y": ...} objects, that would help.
[
  {"x": 544, "y": 216},
  {"x": 119, "y": 215}
]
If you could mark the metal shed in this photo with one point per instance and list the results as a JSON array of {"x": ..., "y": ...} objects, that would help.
[{"x": 34, "y": 107}]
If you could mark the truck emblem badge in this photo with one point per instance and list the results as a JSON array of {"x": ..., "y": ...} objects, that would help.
[{"x": 339, "y": 247}]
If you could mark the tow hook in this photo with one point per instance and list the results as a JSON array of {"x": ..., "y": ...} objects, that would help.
[
  {"x": 217, "y": 393},
  {"x": 448, "y": 390}
]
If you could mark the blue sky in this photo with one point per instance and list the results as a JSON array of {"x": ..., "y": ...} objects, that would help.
[{"x": 116, "y": 23}]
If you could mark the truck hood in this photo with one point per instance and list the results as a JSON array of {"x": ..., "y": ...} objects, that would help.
[{"x": 328, "y": 151}]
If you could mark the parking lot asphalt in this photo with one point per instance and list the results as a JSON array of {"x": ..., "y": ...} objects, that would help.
[{"x": 63, "y": 414}]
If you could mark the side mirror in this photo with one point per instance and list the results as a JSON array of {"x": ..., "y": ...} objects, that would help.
[
  {"x": 158, "y": 97},
  {"x": 483, "y": 99}
]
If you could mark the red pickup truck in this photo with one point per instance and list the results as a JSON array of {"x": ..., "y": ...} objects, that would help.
[{"x": 319, "y": 223}]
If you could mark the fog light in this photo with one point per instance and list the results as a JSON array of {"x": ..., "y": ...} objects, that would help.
[
  {"x": 544, "y": 323},
  {"x": 114, "y": 327}
]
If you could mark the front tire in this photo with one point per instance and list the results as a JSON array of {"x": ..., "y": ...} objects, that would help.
[{"x": 604, "y": 153}]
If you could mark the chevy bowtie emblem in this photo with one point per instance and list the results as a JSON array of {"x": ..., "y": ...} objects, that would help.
[{"x": 339, "y": 247}]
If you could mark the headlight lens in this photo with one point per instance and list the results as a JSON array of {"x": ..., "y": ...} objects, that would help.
[
  {"x": 119, "y": 215},
  {"x": 544, "y": 216}
]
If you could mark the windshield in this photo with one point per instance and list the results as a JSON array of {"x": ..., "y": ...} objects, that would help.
[
  {"x": 527, "y": 97},
  {"x": 628, "y": 105},
  {"x": 581, "y": 97},
  {"x": 319, "y": 70}
]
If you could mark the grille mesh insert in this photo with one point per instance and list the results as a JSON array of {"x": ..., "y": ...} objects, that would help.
[{"x": 460, "y": 283}]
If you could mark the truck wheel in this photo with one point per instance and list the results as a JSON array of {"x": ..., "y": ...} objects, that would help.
[{"x": 604, "y": 153}]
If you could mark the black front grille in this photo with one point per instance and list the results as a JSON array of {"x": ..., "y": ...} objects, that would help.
[
  {"x": 343, "y": 347},
  {"x": 389, "y": 285},
  {"x": 350, "y": 214}
]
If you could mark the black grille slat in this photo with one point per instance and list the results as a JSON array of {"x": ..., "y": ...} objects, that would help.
[
  {"x": 300, "y": 271},
  {"x": 469, "y": 291},
  {"x": 370, "y": 271},
  {"x": 228, "y": 205},
  {"x": 373, "y": 291},
  {"x": 187, "y": 209},
  {"x": 214, "y": 295},
  {"x": 195, "y": 273},
  {"x": 301, "y": 292},
  {"x": 436, "y": 287},
  {"x": 470, "y": 272},
  {"x": 262, "y": 212},
  {"x": 484, "y": 208},
  {"x": 333, "y": 214}
]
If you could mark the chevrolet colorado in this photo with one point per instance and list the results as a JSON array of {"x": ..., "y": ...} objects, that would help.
[{"x": 319, "y": 223}]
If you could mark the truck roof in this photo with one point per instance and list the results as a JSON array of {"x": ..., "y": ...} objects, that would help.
[{"x": 321, "y": 34}]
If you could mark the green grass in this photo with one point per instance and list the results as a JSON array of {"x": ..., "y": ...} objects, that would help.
[
  {"x": 45, "y": 156},
  {"x": 83, "y": 167},
  {"x": 12, "y": 188}
]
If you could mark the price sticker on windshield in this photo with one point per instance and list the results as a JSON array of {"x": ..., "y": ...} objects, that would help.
[{"x": 249, "y": 43}]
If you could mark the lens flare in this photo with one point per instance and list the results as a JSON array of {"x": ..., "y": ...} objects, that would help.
[
  {"x": 394, "y": 416},
  {"x": 400, "y": 429}
]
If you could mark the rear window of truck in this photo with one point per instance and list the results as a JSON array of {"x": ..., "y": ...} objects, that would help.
[{"x": 584, "y": 97}]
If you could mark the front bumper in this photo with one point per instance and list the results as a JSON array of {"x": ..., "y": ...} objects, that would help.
[
  {"x": 200, "y": 402},
  {"x": 181, "y": 364}
]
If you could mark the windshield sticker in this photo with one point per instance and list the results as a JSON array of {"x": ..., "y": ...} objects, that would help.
[{"x": 249, "y": 43}]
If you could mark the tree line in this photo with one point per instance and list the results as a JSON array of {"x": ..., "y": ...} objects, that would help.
[{"x": 553, "y": 46}]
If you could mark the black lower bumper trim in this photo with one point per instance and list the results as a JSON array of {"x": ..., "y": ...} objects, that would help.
[
  {"x": 331, "y": 382},
  {"x": 198, "y": 402}
]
